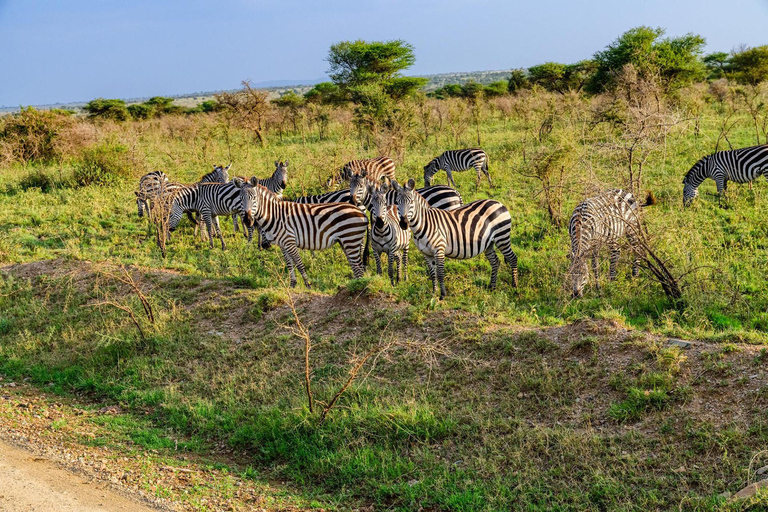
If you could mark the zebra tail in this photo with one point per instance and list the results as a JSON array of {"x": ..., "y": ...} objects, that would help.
[
  {"x": 650, "y": 199},
  {"x": 485, "y": 164}
]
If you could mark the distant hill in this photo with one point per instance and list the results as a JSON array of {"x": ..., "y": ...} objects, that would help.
[{"x": 280, "y": 87}]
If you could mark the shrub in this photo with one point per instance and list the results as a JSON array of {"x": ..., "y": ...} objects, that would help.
[
  {"x": 107, "y": 109},
  {"x": 31, "y": 134},
  {"x": 104, "y": 164},
  {"x": 37, "y": 179}
]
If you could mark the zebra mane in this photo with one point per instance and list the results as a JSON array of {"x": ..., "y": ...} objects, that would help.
[{"x": 701, "y": 163}]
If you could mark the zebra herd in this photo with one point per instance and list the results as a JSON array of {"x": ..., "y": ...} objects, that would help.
[{"x": 435, "y": 217}]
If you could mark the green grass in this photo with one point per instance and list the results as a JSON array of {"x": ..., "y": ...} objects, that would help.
[{"x": 501, "y": 414}]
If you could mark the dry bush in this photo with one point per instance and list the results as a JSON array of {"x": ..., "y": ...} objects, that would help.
[
  {"x": 246, "y": 108},
  {"x": 74, "y": 138},
  {"x": 31, "y": 135}
]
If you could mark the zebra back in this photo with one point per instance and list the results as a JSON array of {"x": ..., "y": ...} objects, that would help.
[
  {"x": 374, "y": 168},
  {"x": 439, "y": 196},
  {"x": 339, "y": 196},
  {"x": 601, "y": 220}
]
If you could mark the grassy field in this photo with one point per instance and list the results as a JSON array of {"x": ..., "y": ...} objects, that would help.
[{"x": 513, "y": 399}]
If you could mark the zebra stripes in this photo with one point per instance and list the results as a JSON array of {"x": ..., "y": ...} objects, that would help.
[
  {"x": 387, "y": 236},
  {"x": 209, "y": 200},
  {"x": 458, "y": 160},
  {"x": 738, "y": 165},
  {"x": 374, "y": 167},
  {"x": 293, "y": 226},
  {"x": 598, "y": 222},
  {"x": 151, "y": 185},
  {"x": 275, "y": 183},
  {"x": 462, "y": 233},
  {"x": 339, "y": 196},
  {"x": 438, "y": 196},
  {"x": 218, "y": 175}
]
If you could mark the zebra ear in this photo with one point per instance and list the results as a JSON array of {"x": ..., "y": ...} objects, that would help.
[
  {"x": 238, "y": 181},
  {"x": 253, "y": 181},
  {"x": 286, "y": 164},
  {"x": 364, "y": 173},
  {"x": 228, "y": 167},
  {"x": 411, "y": 184},
  {"x": 277, "y": 163}
]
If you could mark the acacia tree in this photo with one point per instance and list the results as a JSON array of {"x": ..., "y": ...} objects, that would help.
[
  {"x": 675, "y": 61},
  {"x": 368, "y": 74}
]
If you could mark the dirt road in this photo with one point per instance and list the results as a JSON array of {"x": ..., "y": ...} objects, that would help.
[{"x": 31, "y": 483}]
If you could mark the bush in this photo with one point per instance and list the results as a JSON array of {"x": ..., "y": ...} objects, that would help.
[
  {"x": 105, "y": 164},
  {"x": 107, "y": 109},
  {"x": 37, "y": 179},
  {"x": 31, "y": 135}
]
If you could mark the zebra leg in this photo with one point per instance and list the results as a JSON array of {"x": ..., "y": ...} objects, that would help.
[
  {"x": 234, "y": 223},
  {"x": 509, "y": 257},
  {"x": 293, "y": 252},
  {"x": 291, "y": 266},
  {"x": 450, "y": 177},
  {"x": 377, "y": 257},
  {"x": 615, "y": 254},
  {"x": 390, "y": 267},
  {"x": 209, "y": 227},
  {"x": 431, "y": 271},
  {"x": 722, "y": 187},
  {"x": 493, "y": 259},
  {"x": 352, "y": 252},
  {"x": 217, "y": 226},
  {"x": 440, "y": 271},
  {"x": 477, "y": 181},
  {"x": 405, "y": 264},
  {"x": 487, "y": 173},
  {"x": 395, "y": 256}
]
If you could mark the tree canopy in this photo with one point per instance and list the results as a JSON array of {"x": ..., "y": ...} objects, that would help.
[
  {"x": 750, "y": 66},
  {"x": 676, "y": 61}
]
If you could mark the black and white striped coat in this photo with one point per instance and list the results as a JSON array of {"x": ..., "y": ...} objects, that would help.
[
  {"x": 375, "y": 168},
  {"x": 276, "y": 184},
  {"x": 151, "y": 185},
  {"x": 740, "y": 165},
  {"x": 339, "y": 196},
  {"x": 209, "y": 200},
  {"x": 598, "y": 222},
  {"x": 458, "y": 160},
  {"x": 438, "y": 196},
  {"x": 293, "y": 226},
  {"x": 463, "y": 233},
  {"x": 387, "y": 236}
]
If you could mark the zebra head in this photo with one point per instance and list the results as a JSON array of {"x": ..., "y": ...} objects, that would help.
[
  {"x": 249, "y": 198},
  {"x": 379, "y": 206},
  {"x": 693, "y": 178},
  {"x": 429, "y": 170},
  {"x": 281, "y": 174},
  {"x": 405, "y": 201},
  {"x": 358, "y": 188},
  {"x": 578, "y": 273}
]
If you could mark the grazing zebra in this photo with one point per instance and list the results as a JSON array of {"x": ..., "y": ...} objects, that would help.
[
  {"x": 387, "y": 236},
  {"x": 154, "y": 187},
  {"x": 150, "y": 186},
  {"x": 374, "y": 167},
  {"x": 739, "y": 165},
  {"x": 438, "y": 196},
  {"x": 293, "y": 226},
  {"x": 601, "y": 221},
  {"x": 209, "y": 200},
  {"x": 458, "y": 160},
  {"x": 462, "y": 233}
]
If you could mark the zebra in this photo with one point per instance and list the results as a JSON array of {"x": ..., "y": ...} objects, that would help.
[
  {"x": 155, "y": 189},
  {"x": 276, "y": 184},
  {"x": 739, "y": 165},
  {"x": 387, "y": 235},
  {"x": 438, "y": 196},
  {"x": 458, "y": 160},
  {"x": 601, "y": 221},
  {"x": 374, "y": 167},
  {"x": 219, "y": 174},
  {"x": 293, "y": 226},
  {"x": 209, "y": 200},
  {"x": 150, "y": 186},
  {"x": 461, "y": 233}
]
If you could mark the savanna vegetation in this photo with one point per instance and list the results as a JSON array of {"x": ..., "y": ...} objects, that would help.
[{"x": 360, "y": 393}]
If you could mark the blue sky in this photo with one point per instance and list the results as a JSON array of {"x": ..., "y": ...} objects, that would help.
[{"x": 74, "y": 50}]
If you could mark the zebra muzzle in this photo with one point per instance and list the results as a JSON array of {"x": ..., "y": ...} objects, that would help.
[
  {"x": 379, "y": 222},
  {"x": 248, "y": 219},
  {"x": 403, "y": 223}
]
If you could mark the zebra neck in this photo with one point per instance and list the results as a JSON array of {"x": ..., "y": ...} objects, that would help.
[{"x": 421, "y": 210}]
